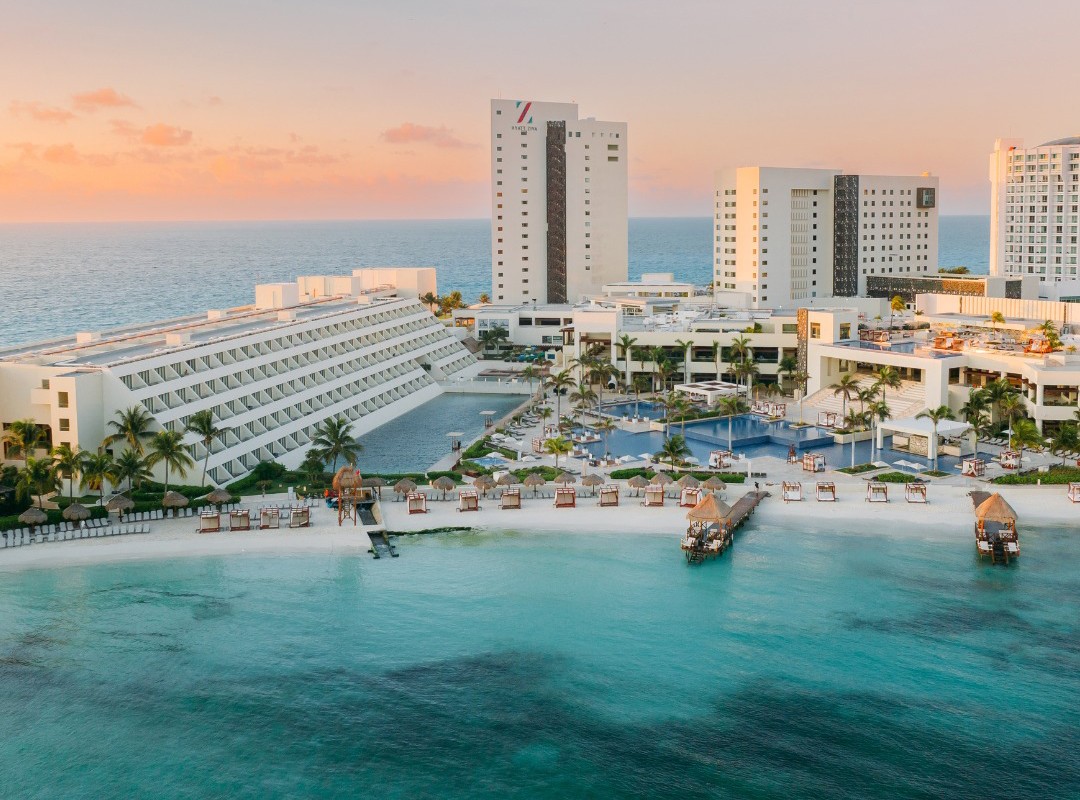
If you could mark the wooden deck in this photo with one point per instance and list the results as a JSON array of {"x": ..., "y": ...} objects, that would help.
[
  {"x": 998, "y": 552},
  {"x": 740, "y": 512}
]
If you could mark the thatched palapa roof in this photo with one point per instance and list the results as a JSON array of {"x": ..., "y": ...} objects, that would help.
[
  {"x": 33, "y": 516},
  {"x": 119, "y": 502},
  {"x": 347, "y": 478},
  {"x": 76, "y": 512},
  {"x": 995, "y": 509},
  {"x": 709, "y": 509},
  {"x": 174, "y": 500}
]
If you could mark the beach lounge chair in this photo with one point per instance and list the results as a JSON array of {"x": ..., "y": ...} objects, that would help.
[
  {"x": 468, "y": 500},
  {"x": 511, "y": 498},
  {"x": 689, "y": 497},
  {"x": 269, "y": 518},
  {"x": 417, "y": 503},
  {"x": 915, "y": 492},
  {"x": 300, "y": 518},
  {"x": 565, "y": 497},
  {"x": 654, "y": 496},
  {"x": 209, "y": 522},
  {"x": 1073, "y": 492},
  {"x": 826, "y": 492},
  {"x": 240, "y": 520},
  {"x": 609, "y": 495},
  {"x": 877, "y": 492},
  {"x": 792, "y": 491}
]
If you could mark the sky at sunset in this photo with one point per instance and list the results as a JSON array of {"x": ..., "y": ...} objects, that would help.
[{"x": 332, "y": 109}]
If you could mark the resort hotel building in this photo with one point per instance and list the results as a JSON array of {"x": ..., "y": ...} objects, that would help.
[
  {"x": 558, "y": 202},
  {"x": 1035, "y": 211},
  {"x": 359, "y": 346},
  {"x": 782, "y": 237}
]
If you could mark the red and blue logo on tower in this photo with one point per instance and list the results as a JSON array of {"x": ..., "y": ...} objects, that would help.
[{"x": 524, "y": 105}]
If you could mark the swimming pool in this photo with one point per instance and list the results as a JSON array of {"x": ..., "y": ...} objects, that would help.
[
  {"x": 748, "y": 429},
  {"x": 644, "y": 408}
]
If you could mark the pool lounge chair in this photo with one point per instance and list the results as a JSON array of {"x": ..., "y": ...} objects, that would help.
[
  {"x": 565, "y": 497},
  {"x": 792, "y": 491},
  {"x": 826, "y": 492},
  {"x": 654, "y": 496},
  {"x": 240, "y": 520},
  {"x": 468, "y": 500},
  {"x": 609, "y": 495},
  {"x": 511, "y": 498},
  {"x": 209, "y": 523},
  {"x": 417, "y": 503}
]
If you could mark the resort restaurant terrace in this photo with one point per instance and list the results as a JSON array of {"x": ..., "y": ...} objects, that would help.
[{"x": 917, "y": 436}]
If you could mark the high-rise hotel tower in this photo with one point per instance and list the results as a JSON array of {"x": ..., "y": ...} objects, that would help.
[
  {"x": 558, "y": 203},
  {"x": 1034, "y": 219}
]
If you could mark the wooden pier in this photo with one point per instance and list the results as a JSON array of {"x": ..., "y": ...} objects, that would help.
[
  {"x": 995, "y": 528},
  {"x": 713, "y": 524}
]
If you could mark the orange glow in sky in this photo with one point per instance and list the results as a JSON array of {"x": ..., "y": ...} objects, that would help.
[{"x": 322, "y": 110}]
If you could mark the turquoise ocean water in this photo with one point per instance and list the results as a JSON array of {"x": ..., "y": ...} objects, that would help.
[
  {"x": 823, "y": 664},
  {"x": 58, "y": 279}
]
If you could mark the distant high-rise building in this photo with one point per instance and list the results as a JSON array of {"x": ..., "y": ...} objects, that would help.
[
  {"x": 784, "y": 236},
  {"x": 1033, "y": 209},
  {"x": 558, "y": 203}
]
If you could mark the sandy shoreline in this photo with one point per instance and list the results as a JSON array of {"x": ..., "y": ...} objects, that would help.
[{"x": 947, "y": 515}]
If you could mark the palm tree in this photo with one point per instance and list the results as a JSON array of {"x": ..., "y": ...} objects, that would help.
[
  {"x": 485, "y": 298},
  {"x": 430, "y": 300},
  {"x": 739, "y": 349},
  {"x": 545, "y": 413},
  {"x": 168, "y": 448},
  {"x": 530, "y": 374},
  {"x": 656, "y": 355},
  {"x": 788, "y": 366},
  {"x": 1025, "y": 434},
  {"x": 605, "y": 426},
  {"x": 996, "y": 392},
  {"x": 334, "y": 439},
  {"x": 847, "y": 387},
  {"x": 68, "y": 464},
  {"x": 936, "y": 415},
  {"x": 674, "y": 451},
  {"x": 685, "y": 346},
  {"x": 866, "y": 396},
  {"x": 897, "y": 304},
  {"x": 730, "y": 406},
  {"x": 97, "y": 468},
  {"x": 22, "y": 438},
  {"x": 201, "y": 423},
  {"x": 1012, "y": 406},
  {"x": 313, "y": 465},
  {"x": 748, "y": 369},
  {"x": 665, "y": 369},
  {"x": 38, "y": 477},
  {"x": 1066, "y": 439},
  {"x": 853, "y": 420},
  {"x": 559, "y": 446},
  {"x": 131, "y": 425},
  {"x": 560, "y": 382},
  {"x": 879, "y": 412},
  {"x": 887, "y": 378},
  {"x": 583, "y": 398},
  {"x": 130, "y": 466},
  {"x": 641, "y": 382},
  {"x": 601, "y": 372},
  {"x": 624, "y": 345}
]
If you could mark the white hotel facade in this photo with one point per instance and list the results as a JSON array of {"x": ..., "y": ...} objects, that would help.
[
  {"x": 1035, "y": 209},
  {"x": 359, "y": 346},
  {"x": 558, "y": 203},
  {"x": 783, "y": 236}
]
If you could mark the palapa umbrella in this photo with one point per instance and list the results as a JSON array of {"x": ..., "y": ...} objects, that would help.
[
  {"x": 662, "y": 478},
  {"x": 443, "y": 484},
  {"x": 688, "y": 482},
  {"x": 174, "y": 500},
  {"x": 33, "y": 517},
  {"x": 375, "y": 483},
  {"x": 218, "y": 497},
  {"x": 994, "y": 509},
  {"x": 714, "y": 484},
  {"x": 76, "y": 512},
  {"x": 592, "y": 480},
  {"x": 535, "y": 481},
  {"x": 638, "y": 482},
  {"x": 483, "y": 483},
  {"x": 709, "y": 509},
  {"x": 404, "y": 486},
  {"x": 565, "y": 479},
  {"x": 506, "y": 479},
  {"x": 120, "y": 503}
]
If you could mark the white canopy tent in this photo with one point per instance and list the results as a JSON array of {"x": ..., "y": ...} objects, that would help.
[{"x": 910, "y": 426}]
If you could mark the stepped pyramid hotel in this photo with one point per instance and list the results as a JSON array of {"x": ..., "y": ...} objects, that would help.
[{"x": 360, "y": 346}]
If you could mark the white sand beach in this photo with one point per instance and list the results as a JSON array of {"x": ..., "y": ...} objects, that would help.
[{"x": 948, "y": 514}]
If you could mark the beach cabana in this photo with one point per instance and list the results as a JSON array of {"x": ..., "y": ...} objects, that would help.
[
  {"x": 877, "y": 492},
  {"x": 720, "y": 459},
  {"x": 1073, "y": 492},
  {"x": 826, "y": 419},
  {"x": 77, "y": 513},
  {"x": 300, "y": 517},
  {"x": 443, "y": 484},
  {"x": 973, "y": 468},
  {"x": 417, "y": 502},
  {"x": 915, "y": 492},
  {"x": 269, "y": 518},
  {"x": 468, "y": 500},
  {"x": 592, "y": 481},
  {"x": 565, "y": 497},
  {"x": 689, "y": 497},
  {"x": 792, "y": 491},
  {"x": 534, "y": 481},
  {"x": 402, "y": 488},
  {"x": 813, "y": 462},
  {"x": 173, "y": 501},
  {"x": 511, "y": 498},
  {"x": 209, "y": 522},
  {"x": 638, "y": 482},
  {"x": 826, "y": 492},
  {"x": 1010, "y": 459},
  {"x": 654, "y": 496},
  {"x": 240, "y": 520},
  {"x": 609, "y": 495}
]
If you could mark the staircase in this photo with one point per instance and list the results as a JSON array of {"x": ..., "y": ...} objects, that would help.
[{"x": 907, "y": 400}]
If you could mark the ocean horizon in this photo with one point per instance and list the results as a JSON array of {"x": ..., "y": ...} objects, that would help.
[{"x": 68, "y": 277}]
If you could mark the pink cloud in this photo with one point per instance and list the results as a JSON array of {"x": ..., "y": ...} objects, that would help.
[
  {"x": 41, "y": 113},
  {"x": 26, "y": 149},
  {"x": 61, "y": 154},
  {"x": 124, "y": 128},
  {"x": 408, "y": 132},
  {"x": 101, "y": 98},
  {"x": 162, "y": 135},
  {"x": 214, "y": 100}
]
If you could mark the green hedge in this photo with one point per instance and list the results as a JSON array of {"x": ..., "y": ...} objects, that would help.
[
  {"x": 894, "y": 477},
  {"x": 858, "y": 469},
  {"x": 1057, "y": 475}
]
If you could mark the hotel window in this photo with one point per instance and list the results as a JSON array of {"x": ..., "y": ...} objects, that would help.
[
  {"x": 62, "y": 399},
  {"x": 815, "y": 330},
  {"x": 65, "y": 424}
]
